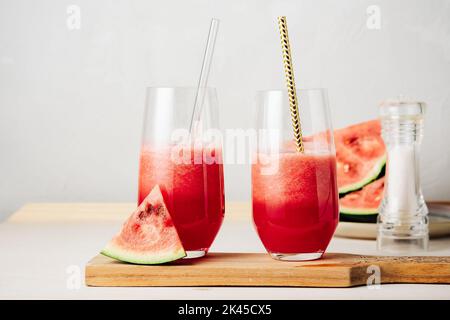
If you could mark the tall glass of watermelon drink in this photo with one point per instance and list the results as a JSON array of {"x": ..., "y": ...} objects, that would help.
[
  {"x": 188, "y": 169},
  {"x": 295, "y": 197}
]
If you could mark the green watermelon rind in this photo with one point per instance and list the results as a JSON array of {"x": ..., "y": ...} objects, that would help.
[
  {"x": 358, "y": 218},
  {"x": 371, "y": 176},
  {"x": 138, "y": 258},
  {"x": 358, "y": 211}
]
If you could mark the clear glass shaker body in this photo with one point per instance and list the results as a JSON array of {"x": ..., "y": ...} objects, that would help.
[{"x": 402, "y": 220}]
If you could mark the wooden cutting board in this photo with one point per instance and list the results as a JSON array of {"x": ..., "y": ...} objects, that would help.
[{"x": 255, "y": 269}]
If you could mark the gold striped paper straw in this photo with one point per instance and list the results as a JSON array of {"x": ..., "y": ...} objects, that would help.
[{"x": 290, "y": 83}]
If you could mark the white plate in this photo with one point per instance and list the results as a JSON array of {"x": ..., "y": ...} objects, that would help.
[{"x": 439, "y": 225}]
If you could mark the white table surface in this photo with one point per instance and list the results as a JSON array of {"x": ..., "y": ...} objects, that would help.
[{"x": 37, "y": 256}]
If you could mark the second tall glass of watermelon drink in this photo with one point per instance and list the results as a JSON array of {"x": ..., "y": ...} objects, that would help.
[
  {"x": 187, "y": 167},
  {"x": 295, "y": 197}
]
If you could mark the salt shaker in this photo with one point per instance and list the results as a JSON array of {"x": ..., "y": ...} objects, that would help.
[{"x": 403, "y": 214}]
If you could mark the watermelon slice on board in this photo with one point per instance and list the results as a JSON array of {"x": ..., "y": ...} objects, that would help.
[
  {"x": 148, "y": 236},
  {"x": 362, "y": 205},
  {"x": 360, "y": 155}
]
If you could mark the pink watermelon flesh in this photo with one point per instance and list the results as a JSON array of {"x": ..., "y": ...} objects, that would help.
[
  {"x": 365, "y": 201},
  {"x": 360, "y": 155},
  {"x": 148, "y": 236}
]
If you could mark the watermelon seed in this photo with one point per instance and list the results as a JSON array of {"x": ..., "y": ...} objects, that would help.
[
  {"x": 146, "y": 212},
  {"x": 160, "y": 210}
]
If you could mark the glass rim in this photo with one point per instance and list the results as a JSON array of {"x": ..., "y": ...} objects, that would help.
[
  {"x": 176, "y": 88},
  {"x": 284, "y": 90}
]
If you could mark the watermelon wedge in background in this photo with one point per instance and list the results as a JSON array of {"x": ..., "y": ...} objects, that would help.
[
  {"x": 148, "y": 236},
  {"x": 362, "y": 205},
  {"x": 361, "y": 162}
]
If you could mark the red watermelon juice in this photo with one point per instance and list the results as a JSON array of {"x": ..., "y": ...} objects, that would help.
[
  {"x": 192, "y": 189},
  {"x": 295, "y": 209}
]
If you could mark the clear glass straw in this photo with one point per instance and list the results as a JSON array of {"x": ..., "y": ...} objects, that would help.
[{"x": 203, "y": 81}]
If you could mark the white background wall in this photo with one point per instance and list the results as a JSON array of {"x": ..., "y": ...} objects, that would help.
[{"x": 71, "y": 101}]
